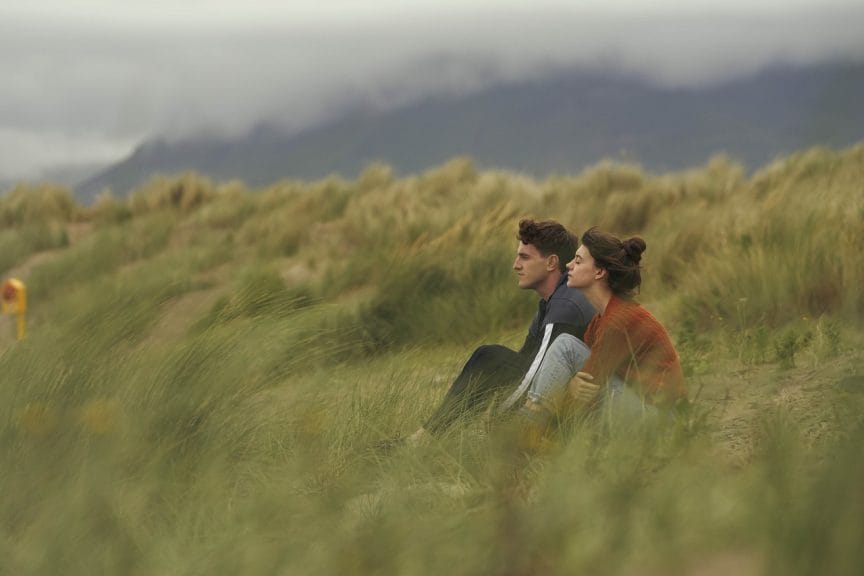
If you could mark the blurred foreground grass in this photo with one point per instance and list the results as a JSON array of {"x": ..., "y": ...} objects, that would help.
[{"x": 209, "y": 370}]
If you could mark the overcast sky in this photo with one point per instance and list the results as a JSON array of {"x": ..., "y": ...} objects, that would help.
[{"x": 86, "y": 81}]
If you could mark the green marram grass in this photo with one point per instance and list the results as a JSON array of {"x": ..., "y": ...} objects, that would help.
[{"x": 210, "y": 372}]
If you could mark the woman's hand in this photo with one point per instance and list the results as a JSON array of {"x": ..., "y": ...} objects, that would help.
[{"x": 582, "y": 388}]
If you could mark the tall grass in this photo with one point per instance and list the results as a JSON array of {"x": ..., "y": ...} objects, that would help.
[
  {"x": 31, "y": 220},
  {"x": 210, "y": 371}
]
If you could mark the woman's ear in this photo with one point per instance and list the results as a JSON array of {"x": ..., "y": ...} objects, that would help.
[{"x": 600, "y": 273}]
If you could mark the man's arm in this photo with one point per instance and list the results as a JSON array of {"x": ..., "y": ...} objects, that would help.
[
  {"x": 532, "y": 338},
  {"x": 570, "y": 308}
]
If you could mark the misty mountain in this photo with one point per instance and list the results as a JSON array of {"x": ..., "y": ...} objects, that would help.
[
  {"x": 558, "y": 124},
  {"x": 68, "y": 175}
]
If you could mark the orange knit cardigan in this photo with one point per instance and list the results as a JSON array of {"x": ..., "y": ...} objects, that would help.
[{"x": 629, "y": 342}]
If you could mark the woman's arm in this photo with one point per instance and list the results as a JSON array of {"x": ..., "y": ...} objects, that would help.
[{"x": 614, "y": 351}]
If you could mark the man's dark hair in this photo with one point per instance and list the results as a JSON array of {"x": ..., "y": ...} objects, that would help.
[{"x": 549, "y": 237}]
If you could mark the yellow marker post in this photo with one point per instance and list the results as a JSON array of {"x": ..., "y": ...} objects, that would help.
[{"x": 13, "y": 300}]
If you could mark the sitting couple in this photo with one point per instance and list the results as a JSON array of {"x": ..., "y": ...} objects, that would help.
[{"x": 589, "y": 346}]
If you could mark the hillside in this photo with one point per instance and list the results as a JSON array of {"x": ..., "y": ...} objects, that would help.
[
  {"x": 210, "y": 371},
  {"x": 558, "y": 124}
]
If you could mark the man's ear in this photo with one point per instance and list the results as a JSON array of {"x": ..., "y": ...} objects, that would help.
[{"x": 552, "y": 262}]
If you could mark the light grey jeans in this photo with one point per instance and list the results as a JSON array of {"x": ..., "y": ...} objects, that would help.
[{"x": 621, "y": 405}]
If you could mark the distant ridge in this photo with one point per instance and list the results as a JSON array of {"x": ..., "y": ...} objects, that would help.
[{"x": 559, "y": 124}]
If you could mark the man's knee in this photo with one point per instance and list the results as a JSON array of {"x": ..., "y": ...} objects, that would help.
[
  {"x": 490, "y": 352},
  {"x": 493, "y": 359}
]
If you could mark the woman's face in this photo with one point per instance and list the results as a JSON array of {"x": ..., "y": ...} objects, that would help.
[{"x": 582, "y": 271}]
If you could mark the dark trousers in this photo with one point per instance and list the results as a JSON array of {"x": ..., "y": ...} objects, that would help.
[{"x": 492, "y": 369}]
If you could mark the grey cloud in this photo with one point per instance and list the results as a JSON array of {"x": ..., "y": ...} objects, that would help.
[{"x": 125, "y": 84}]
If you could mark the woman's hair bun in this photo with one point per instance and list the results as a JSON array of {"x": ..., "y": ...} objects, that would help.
[{"x": 634, "y": 247}]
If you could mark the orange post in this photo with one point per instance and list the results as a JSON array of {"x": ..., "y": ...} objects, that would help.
[{"x": 13, "y": 300}]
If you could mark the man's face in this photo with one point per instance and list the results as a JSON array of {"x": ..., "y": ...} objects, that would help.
[{"x": 532, "y": 268}]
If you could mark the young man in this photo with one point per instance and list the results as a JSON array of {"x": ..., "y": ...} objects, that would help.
[{"x": 544, "y": 250}]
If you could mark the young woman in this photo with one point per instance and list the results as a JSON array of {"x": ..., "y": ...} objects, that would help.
[{"x": 633, "y": 368}]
